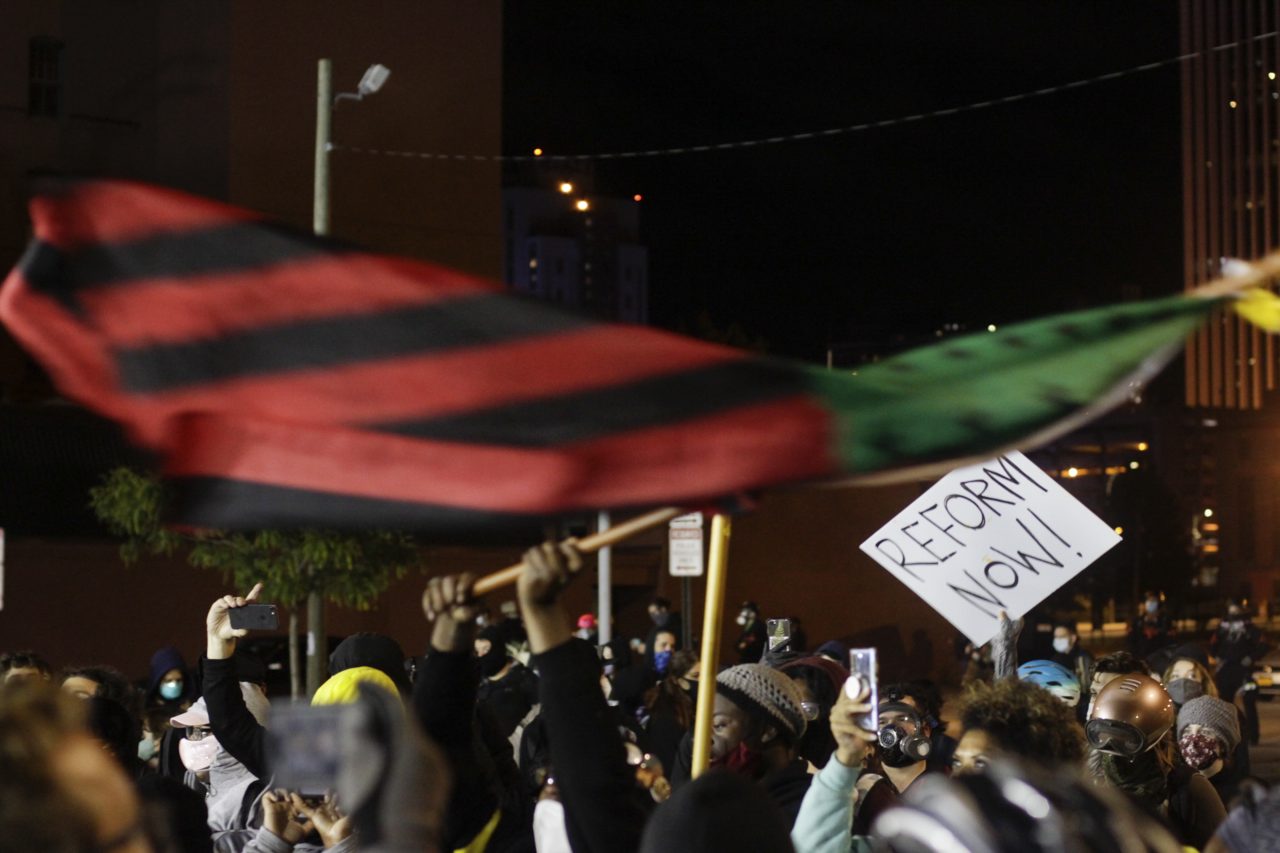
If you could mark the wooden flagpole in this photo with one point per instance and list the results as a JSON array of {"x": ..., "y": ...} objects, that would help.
[
  {"x": 712, "y": 612},
  {"x": 588, "y": 545}
]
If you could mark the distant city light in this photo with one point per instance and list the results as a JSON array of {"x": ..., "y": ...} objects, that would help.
[
  {"x": 1133, "y": 466},
  {"x": 1208, "y": 513},
  {"x": 537, "y": 152},
  {"x": 582, "y": 204},
  {"x": 1142, "y": 446},
  {"x": 566, "y": 187},
  {"x": 637, "y": 197},
  {"x": 1073, "y": 472},
  {"x": 991, "y": 327}
]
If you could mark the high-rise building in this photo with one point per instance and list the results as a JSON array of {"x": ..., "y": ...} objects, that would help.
[{"x": 1231, "y": 209}]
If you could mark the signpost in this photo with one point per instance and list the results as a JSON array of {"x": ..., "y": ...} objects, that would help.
[
  {"x": 1000, "y": 535},
  {"x": 684, "y": 542}
]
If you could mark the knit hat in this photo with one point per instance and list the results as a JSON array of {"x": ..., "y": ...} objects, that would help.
[
  {"x": 764, "y": 691},
  {"x": 1214, "y": 714},
  {"x": 376, "y": 650}
]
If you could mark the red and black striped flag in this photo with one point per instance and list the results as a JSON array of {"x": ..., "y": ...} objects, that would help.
[{"x": 289, "y": 381}]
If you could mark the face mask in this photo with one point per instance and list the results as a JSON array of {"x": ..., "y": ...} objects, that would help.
[
  {"x": 583, "y": 633},
  {"x": 1199, "y": 750},
  {"x": 1183, "y": 690},
  {"x": 492, "y": 662},
  {"x": 1152, "y": 605},
  {"x": 197, "y": 755},
  {"x": 609, "y": 669},
  {"x": 483, "y": 621},
  {"x": 1062, "y": 645},
  {"x": 742, "y": 619},
  {"x": 661, "y": 661},
  {"x": 146, "y": 749},
  {"x": 692, "y": 690},
  {"x": 170, "y": 690},
  {"x": 659, "y": 618},
  {"x": 741, "y": 760}
]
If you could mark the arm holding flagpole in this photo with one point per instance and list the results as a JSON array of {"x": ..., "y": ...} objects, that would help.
[{"x": 588, "y": 545}]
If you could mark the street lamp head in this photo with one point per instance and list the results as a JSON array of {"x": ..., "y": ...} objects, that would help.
[{"x": 373, "y": 79}]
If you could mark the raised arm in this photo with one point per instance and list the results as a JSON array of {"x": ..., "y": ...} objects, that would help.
[
  {"x": 604, "y": 809},
  {"x": 234, "y": 727}
]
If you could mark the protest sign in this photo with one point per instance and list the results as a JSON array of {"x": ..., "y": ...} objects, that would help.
[{"x": 1001, "y": 535}]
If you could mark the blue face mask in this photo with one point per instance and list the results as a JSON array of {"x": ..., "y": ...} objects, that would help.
[
  {"x": 170, "y": 690},
  {"x": 661, "y": 660},
  {"x": 146, "y": 749}
]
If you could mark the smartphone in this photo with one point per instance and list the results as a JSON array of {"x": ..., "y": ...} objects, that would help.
[
  {"x": 779, "y": 631},
  {"x": 864, "y": 669},
  {"x": 255, "y": 617},
  {"x": 303, "y": 747}
]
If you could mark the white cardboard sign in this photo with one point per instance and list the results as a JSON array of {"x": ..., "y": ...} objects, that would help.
[
  {"x": 684, "y": 538},
  {"x": 1001, "y": 535}
]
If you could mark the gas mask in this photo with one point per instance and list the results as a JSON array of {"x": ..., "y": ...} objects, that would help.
[{"x": 900, "y": 749}]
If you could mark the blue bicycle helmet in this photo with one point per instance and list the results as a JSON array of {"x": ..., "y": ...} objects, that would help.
[{"x": 1054, "y": 677}]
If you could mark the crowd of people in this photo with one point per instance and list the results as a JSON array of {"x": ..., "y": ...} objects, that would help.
[{"x": 522, "y": 733}]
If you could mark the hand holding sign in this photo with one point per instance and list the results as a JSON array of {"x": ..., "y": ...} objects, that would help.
[{"x": 996, "y": 536}]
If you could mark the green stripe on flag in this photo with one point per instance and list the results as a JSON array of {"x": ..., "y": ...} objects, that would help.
[{"x": 987, "y": 391}]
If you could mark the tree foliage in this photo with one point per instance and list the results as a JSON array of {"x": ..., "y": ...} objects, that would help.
[{"x": 349, "y": 569}]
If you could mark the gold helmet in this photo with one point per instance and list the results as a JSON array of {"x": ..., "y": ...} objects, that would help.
[{"x": 1130, "y": 715}]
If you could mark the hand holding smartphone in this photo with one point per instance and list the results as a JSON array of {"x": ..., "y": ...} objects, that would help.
[
  {"x": 864, "y": 674},
  {"x": 254, "y": 617}
]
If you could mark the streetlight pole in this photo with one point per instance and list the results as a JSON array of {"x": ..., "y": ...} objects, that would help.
[
  {"x": 324, "y": 121},
  {"x": 374, "y": 78}
]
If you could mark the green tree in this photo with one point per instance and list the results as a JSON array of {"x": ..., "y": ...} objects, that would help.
[{"x": 349, "y": 569}]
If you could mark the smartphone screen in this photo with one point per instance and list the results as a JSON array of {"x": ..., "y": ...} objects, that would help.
[
  {"x": 303, "y": 747},
  {"x": 863, "y": 666}
]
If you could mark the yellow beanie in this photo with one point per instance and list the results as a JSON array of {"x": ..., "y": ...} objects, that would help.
[{"x": 341, "y": 688}]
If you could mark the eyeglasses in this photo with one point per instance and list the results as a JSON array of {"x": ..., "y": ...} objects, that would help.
[
  {"x": 198, "y": 732},
  {"x": 811, "y": 710}
]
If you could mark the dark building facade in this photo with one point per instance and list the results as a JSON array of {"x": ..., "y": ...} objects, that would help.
[{"x": 1230, "y": 471}]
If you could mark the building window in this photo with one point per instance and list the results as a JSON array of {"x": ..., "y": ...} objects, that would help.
[{"x": 44, "y": 77}]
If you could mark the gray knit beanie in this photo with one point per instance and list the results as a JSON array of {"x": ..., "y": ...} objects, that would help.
[
  {"x": 764, "y": 691},
  {"x": 1214, "y": 714}
]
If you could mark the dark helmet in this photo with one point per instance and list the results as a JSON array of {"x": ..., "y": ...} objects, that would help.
[
  {"x": 1010, "y": 808},
  {"x": 1130, "y": 715}
]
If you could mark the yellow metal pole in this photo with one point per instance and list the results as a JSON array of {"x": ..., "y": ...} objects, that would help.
[{"x": 717, "y": 565}]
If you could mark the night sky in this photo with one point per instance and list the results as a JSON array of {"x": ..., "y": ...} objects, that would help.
[{"x": 994, "y": 215}]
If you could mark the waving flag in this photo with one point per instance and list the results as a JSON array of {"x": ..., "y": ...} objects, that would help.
[{"x": 290, "y": 381}]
